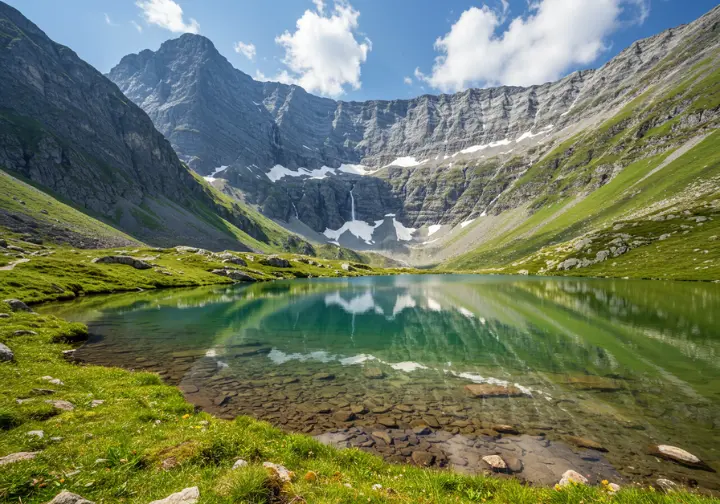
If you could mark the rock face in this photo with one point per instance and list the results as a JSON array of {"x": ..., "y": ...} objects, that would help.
[
  {"x": 66, "y": 126},
  {"x": 17, "y": 305},
  {"x": 434, "y": 159}
]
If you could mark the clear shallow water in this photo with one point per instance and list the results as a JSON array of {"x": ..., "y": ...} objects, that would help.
[{"x": 626, "y": 364}]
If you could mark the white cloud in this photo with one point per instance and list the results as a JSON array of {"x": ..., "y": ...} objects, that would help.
[
  {"x": 108, "y": 20},
  {"x": 408, "y": 81},
  {"x": 323, "y": 54},
  {"x": 137, "y": 26},
  {"x": 167, "y": 14},
  {"x": 247, "y": 50},
  {"x": 551, "y": 38}
]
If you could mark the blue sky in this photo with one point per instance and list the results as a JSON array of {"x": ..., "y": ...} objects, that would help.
[{"x": 372, "y": 49}]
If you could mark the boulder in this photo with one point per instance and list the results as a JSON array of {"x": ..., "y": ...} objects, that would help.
[
  {"x": 17, "y": 305},
  {"x": 6, "y": 354},
  {"x": 679, "y": 456},
  {"x": 346, "y": 267},
  {"x": 495, "y": 462},
  {"x": 323, "y": 376},
  {"x": 387, "y": 421},
  {"x": 585, "y": 443},
  {"x": 17, "y": 457},
  {"x": 485, "y": 390},
  {"x": 514, "y": 464},
  {"x": 66, "y": 497},
  {"x": 233, "y": 274},
  {"x": 344, "y": 416},
  {"x": 126, "y": 260},
  {"x": 275, "y": 262},
  {"x": 568, "y": 264},
  {"x": 570, "y": 477},
  {"x": 602, "y": 255},
  {"x": 187, "y": 496},
  {"x": 505, "y": 429},
  {"x": 36, "y": 433}
]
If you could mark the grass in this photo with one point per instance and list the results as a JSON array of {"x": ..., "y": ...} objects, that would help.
[{"x": 145, "y": 442}]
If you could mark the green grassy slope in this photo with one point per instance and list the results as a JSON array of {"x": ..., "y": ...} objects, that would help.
[{"x": 648, "y": 159}]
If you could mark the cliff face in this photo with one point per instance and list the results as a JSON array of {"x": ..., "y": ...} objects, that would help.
[
  {"x": 66, "y": 126},
  {"x": 429, "y": 160}
]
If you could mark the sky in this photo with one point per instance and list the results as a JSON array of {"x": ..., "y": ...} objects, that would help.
[{"x": 371, "y": 49}]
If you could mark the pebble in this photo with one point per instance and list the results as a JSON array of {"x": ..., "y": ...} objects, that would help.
[
  {"x": 96, "y": 402},
  {"x": 384, "y": 436},
  {"x": 239, "y": 463}
]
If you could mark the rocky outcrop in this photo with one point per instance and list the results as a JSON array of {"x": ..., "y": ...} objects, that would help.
[
  {"x": 126, "y": 260},
  {"x": 67, "y": 127},
  {"x": 6, "y": 354},
  {"x": 465, "y": 151}
]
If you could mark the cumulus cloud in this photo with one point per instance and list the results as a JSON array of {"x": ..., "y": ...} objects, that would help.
[
  {"x": 324, "y": 54},
  {"x": 247, "y": 50},
  {"x": 551, "y": 38},
  {"x": 408, "y": 81},
  {"x": 167, "y": 14}
]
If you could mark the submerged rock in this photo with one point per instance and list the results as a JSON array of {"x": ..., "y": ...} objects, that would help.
[
  {"x": 585, "y": 443},
  {"x": 373, "y": 373},
  {"x": 680, "y": 456},
  {"x": 485, "y": 390},
  {"x": 423, "y": 458}
]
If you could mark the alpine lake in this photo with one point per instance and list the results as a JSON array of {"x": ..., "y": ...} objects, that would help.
[{"x": 549, "y": 373}]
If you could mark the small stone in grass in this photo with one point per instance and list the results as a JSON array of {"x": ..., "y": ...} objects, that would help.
[
  {"x": 36, "y": 433},
  {"x": 61, "y": 405},
  {"x": 280, "y": 472},
  {"x": 17, "y": 457},
  {"x": 570, "y": 477},
  {"x": 187, "y": 496},
  {"x": 239, "y": 463},
  {"x": 66, "y": 497}
]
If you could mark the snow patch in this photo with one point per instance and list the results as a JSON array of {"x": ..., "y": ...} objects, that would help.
[
  {"x": 356, "y": 169},
  {"x": 279, "y": 171},
  {"x": 211, "y": 177},
  {"x": 530, "y": 134},
  {"x": 434, "y": 228},
  {"x": 403, "y": 233},
  {"x": 477, "y": 148},
  {"x": 359, "y": 229},
  {"x": 465, "y": 224},
  {"x": 405, "y": 162}
]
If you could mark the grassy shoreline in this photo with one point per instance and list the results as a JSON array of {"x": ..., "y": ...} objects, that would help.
[{"x": 145, "y": 442}]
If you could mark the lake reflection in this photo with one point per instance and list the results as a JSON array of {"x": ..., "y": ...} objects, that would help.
[{"x": 625, "y": 364}]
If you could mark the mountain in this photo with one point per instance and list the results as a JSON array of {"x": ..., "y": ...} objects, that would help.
[
  {"x": 435, "y": 178},
  {"x": 70, "y": 131}
]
